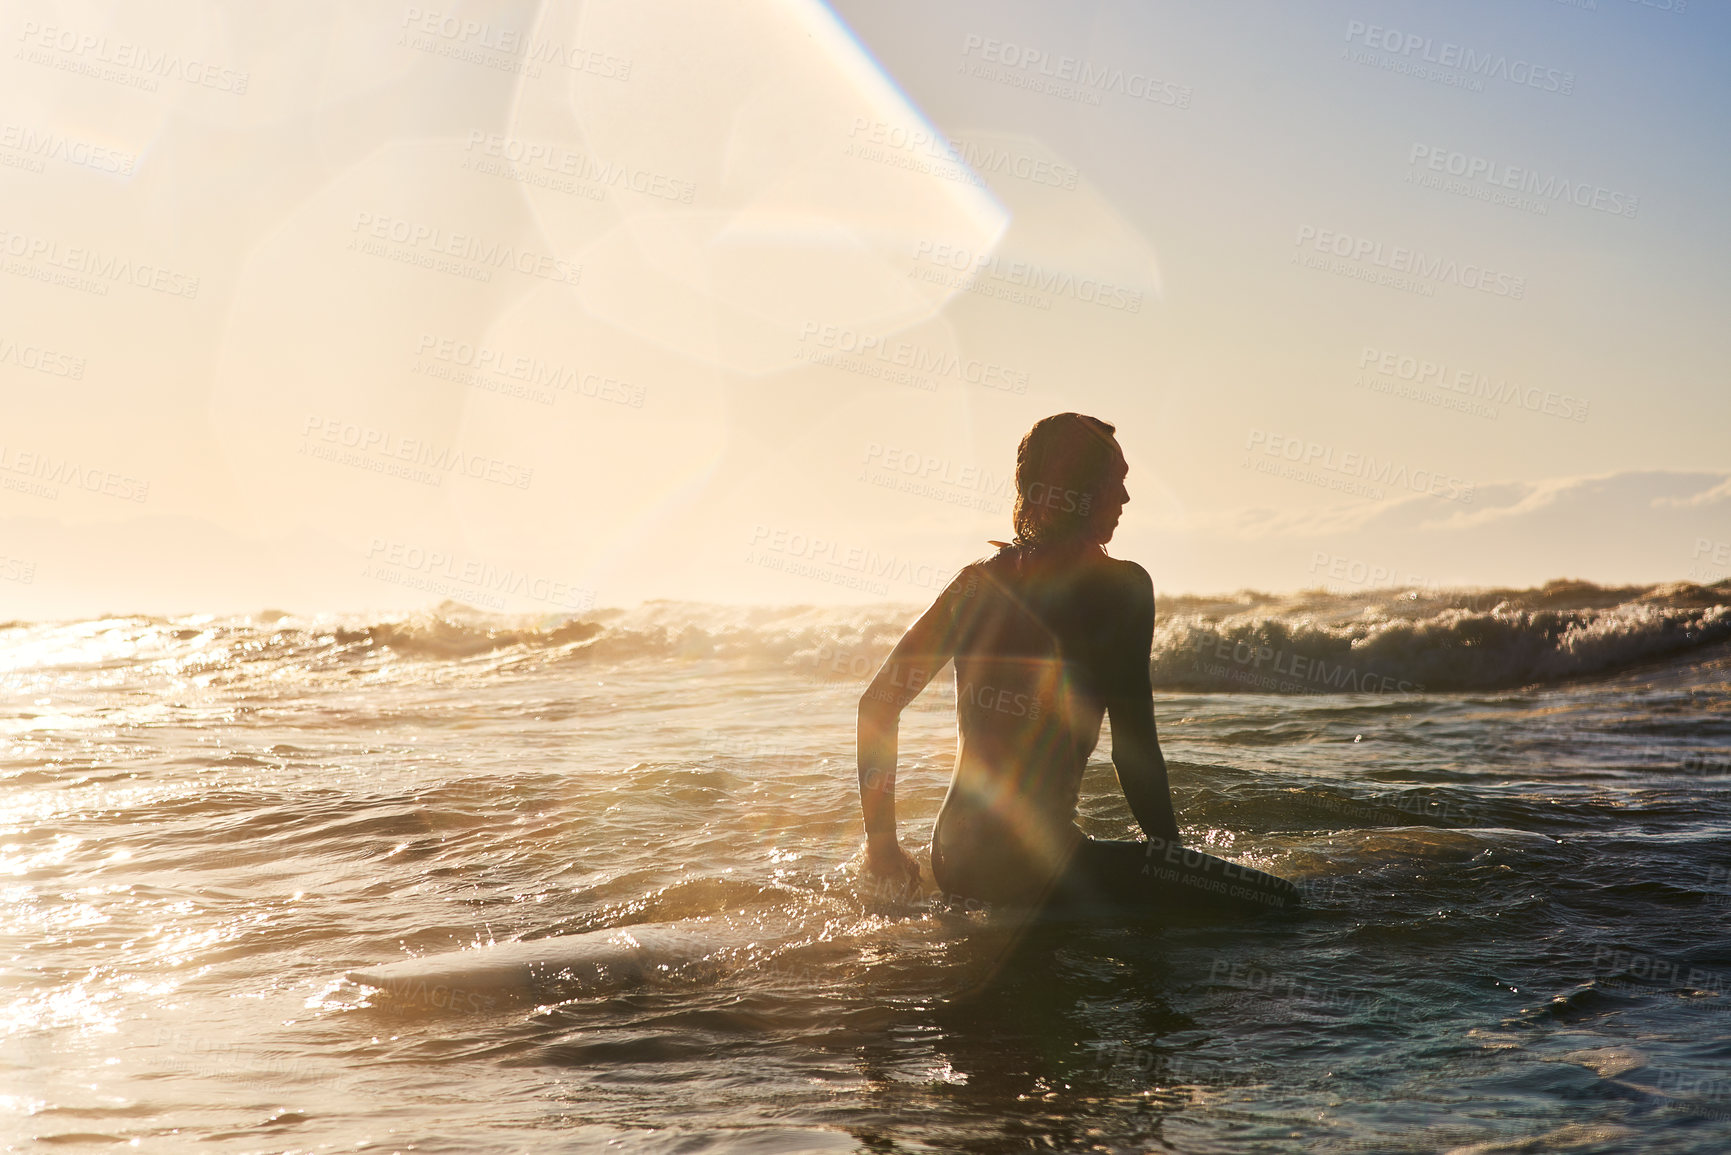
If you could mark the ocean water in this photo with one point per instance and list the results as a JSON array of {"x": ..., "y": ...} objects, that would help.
[{"x": 1509, "y": 810}]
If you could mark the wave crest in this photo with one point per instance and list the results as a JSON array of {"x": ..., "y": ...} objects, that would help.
[
  {"x": 1405, "y": 640},
  {"x": 1455, "y": 649}
]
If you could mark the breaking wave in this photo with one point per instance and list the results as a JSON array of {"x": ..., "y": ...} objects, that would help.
[
  {"x": 1404, "y": 640},
  {"x": 1505, "y": 646}
]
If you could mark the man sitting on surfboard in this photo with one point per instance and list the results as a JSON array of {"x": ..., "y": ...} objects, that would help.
[{"x": 1049, "y": 635}]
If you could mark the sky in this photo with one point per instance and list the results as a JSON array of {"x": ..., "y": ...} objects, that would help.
[{"x": 540, "y": 307}]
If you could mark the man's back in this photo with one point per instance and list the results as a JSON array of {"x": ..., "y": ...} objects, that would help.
[
  {"x": 1049, "y": 636},
  {"x": 1039, "y": 648}
]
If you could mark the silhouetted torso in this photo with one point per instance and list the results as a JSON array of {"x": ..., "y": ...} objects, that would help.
[{"x": 1039, "y": 648}]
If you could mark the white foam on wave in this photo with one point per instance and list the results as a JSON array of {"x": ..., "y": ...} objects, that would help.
[
  {"x": 1453, "y": 649},
  {"x": 1313, "y": 641}
]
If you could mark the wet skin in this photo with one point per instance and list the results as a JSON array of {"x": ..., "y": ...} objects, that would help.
[{"x": 1046, "y": 643}]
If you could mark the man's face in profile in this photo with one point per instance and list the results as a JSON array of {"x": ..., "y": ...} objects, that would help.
[{"x": 1110, "y": 498}]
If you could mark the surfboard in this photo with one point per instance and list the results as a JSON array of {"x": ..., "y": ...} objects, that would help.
[
  {"x": 1199, "y": 882},
  {"x": 1157, "y": 879},
  {"x": 484, "y": 977},
  {"x": 1177, "y": 880}
]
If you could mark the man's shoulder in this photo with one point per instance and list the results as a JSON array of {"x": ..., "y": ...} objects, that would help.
[
  {"x": 999, "y": 565},
  {"x": 1130, "y": 572},
  {"x": 1126, "y": 579}
]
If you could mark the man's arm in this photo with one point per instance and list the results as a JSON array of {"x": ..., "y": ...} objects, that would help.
[
  {"x": 916, "y": 660},
  {"x": 1130, "y": 704}
]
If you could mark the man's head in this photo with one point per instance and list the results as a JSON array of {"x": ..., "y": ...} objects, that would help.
[{"x": 1069, "y": 481}]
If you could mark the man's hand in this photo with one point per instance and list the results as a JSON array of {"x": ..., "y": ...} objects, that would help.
[{"x": 889, "y": 862}]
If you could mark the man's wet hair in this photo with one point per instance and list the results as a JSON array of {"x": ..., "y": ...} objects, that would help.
[{"x": 1062, "y": 464}]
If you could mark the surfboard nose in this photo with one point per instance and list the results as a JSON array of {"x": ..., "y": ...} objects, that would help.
[{"x": 485, "y": 977}]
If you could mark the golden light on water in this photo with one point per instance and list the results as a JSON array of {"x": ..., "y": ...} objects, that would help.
[{"x": 460, "y": 466}]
